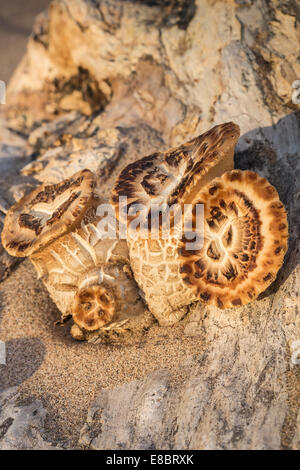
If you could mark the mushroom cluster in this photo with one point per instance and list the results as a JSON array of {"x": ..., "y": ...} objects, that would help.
[
  {"x": 243, "y": 235},
  {"x": 244, "y": 232}
]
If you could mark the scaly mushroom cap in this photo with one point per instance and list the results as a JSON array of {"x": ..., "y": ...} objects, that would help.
[
  {"x": 93, "y": 307},
  {"x": 245, "y": 240},
  {"x": 176, "y": 175},
  {"x": 47, "y": 213}
]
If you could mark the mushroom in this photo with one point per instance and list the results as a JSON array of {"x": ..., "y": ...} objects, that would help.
[
  {"x": 176, "y": 175},
  {"x": 47, "y": 213},
  {"x": 87, "y": 275},
  {"x": 245, "y": 240},
  {"x": 161, "y": 180}
]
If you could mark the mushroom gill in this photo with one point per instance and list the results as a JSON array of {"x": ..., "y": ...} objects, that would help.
[{"x": 245, "y": 240}]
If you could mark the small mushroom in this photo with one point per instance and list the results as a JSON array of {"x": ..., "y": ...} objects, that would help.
[
  {"x": 163, "y": 179},
  {"x": 245, "y": 240},
  {"x": 93, "y": 307},
  {"x": 56, "y": 226}
]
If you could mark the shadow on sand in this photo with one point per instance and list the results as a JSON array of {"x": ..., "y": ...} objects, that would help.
[{"x": 21, "y": 365}]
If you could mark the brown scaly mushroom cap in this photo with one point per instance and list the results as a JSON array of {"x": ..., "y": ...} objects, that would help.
[
  {"x": 245, "y": 240},
  {"x": 93, "y": 307},
  {"x": 47, "y": 213},
  {"x": 175, "y": 176}
]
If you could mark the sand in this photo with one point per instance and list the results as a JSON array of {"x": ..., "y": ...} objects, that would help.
[{"x": 67, "y": 375}]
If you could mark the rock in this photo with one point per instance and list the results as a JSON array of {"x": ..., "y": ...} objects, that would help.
[{"x": 21, "y": 425}]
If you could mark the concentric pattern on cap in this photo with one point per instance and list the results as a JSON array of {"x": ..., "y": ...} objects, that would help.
[
  {"x": 93, "y": 307},
  {"x": 245, "y": 240},
  {"x": 168, "y": 177},
  {"x": 47, "y": 213}
]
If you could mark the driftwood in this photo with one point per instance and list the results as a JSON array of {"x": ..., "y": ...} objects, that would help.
[{"x": 107, "y": 76}]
